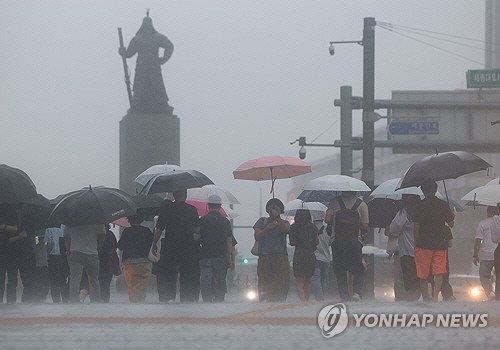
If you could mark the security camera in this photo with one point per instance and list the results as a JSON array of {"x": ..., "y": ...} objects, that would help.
[
  {"x": 302, "y": 152},
  {"x": 332, "y": 49}
]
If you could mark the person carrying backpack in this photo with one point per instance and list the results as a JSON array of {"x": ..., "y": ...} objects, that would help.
[{"x": 348, "y": 217}]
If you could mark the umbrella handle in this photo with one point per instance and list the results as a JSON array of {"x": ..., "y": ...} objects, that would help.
[
  {"x": 272, "y": 182},
  {"x": 272, "y": 187}
]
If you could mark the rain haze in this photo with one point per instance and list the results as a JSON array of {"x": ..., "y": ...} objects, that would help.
[{"x": 245, "y": 79}]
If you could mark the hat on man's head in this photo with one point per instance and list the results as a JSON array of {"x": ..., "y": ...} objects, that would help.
[{"x": 214, "y": 199}]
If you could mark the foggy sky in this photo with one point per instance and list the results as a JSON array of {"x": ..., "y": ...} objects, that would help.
[{"x": 246, "y": 78}]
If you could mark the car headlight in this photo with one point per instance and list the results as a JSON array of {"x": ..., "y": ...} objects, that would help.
[
  {"x": 474, "y": 292},
  {"x": 251, "y": 295}
]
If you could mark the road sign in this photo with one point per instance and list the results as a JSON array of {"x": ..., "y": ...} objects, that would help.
[
  {"x": 414, "y": 127},
  {"x": 483, "y": 78}
]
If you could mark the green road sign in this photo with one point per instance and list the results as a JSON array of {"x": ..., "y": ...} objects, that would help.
[{"x": 483, "y": 78}]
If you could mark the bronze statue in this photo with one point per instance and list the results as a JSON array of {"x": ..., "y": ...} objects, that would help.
[{"x": 149, "y": 94}]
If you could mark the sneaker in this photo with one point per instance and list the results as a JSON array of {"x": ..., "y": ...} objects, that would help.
[{"x": 356, "y": 297}]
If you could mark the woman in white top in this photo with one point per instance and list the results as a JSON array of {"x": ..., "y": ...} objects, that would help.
[{"x": 402, "y": 225}]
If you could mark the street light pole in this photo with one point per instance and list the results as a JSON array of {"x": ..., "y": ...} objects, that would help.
[{"x": 368, "y": 175}]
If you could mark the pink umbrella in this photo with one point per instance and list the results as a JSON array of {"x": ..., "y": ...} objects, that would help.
[
  {"x": 271, "y": 168},
  {"x": 202, "y": 208},
  {"x": 122, "y": 222}
]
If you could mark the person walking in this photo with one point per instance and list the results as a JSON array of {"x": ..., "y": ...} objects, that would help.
[
  {"x": 58, "y": 264},
  {"x": 484, "y": 250},
  {"x": 8, "y": 228},
  {"x": 216, "y": 246},
  {"x": 83, "y": 243},
  {"x": 323, "y": 253},
  {"x": 135, "y": 243},
  {"x": 41, "y": 271},
  {"x": 304, "y": 236},
  {"x": 431, "y": 238},
  {"x": 109, "y": 264},
  {"x": 402, "y": 226},
  {"x": 180, "y": 253},
  {"x": 495, "y": 238},
  {"x": 348, "y": 216},
  {"x": 272, "y": 265}
]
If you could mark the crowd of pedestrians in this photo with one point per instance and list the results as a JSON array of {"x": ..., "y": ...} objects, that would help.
[{"x": 191, "y": 255}]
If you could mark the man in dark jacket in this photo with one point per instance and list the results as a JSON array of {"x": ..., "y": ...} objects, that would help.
[
  {"x": 216, "y": 245},
  {"x": 180, "y": 255}
]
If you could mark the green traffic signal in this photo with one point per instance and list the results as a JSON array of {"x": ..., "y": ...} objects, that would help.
[{"x": 245, "y": 261}]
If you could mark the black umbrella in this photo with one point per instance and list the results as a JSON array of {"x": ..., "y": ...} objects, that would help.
[
  {"x": 381, "y": 212},
  {"x": 148, "y": 205},
  {"x": 93, "y": 205},
  {"x": 176, "y": 181},
  {"x": 36, "y": 211},
  {"x": 442, "y": 166},
  {"x": 15, "y": 185}
]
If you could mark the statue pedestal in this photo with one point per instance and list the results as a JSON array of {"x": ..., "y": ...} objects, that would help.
[{"x": 146, "y": 140}]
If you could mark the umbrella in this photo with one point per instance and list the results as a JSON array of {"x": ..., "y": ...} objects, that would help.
[
  {"x": 202, "y": 209},
  {"x": 494, "y": 182},
  {"x": 271, "y": 168},
  {"x": 148, "y": 205},
  {"x": 176, "y": 181},
  {"x": 325, "y": 188},
  {"x": 202, "y": 194},
  {"x": 36, "y": 211},
  {"x": 388, "y": 190},
  {"x": 149, "y": 173},
  {"x": 442, "y": 166},
  {"x": 93, "y": 205},
  {"x": 381, "y": 211},
  {"x": 316, "y": 209},
  {"x": 484, "y": 195},
  {"x": 15, "y": 185}
]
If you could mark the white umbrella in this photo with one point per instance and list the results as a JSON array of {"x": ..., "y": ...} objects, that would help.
[
  {"x": 317, "y": 209},
  {"x": 201, "y": 194},
  {"x": 337, "y": 183},
  {"x": 231, "y": 213},
  {"x": 484, "y": 195},
  {"x": 387, "y": 190},
  {"x": 325, "y": 188},
  {"x": 149, "y": 173},
  {"x": 494, "y": 182}
]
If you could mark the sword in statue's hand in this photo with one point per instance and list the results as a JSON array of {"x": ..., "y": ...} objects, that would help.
[{"x": 125, "y": 67}]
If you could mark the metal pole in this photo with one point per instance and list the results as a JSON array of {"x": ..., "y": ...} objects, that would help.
[
  {"x": 368, "y": 175},
  {"x": 346, "y": 130}
]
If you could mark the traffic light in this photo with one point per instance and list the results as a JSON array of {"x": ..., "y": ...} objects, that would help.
[{"x": 245, "y": 261}]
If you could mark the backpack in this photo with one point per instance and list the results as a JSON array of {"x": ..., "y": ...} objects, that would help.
[{"x": 347, "y": 221}]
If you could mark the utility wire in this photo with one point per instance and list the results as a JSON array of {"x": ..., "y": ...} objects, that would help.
[
  {"x": 437, "y": 38},
  {"x": 434, "y": 46},
  {"x": 328, "y": 128},
  {"x": 392, "y": 25}
]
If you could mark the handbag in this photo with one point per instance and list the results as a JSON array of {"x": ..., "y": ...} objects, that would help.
[
  {"x": 392, "y": 245},
  {"x": 255, "y": 248},
  {"x": 155, "y": 258}
]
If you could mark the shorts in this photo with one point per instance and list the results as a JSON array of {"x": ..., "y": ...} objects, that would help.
[{"x": 425, "y": 259}]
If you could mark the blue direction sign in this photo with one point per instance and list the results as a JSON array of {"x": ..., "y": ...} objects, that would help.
[{"x": 413, "y": 128}]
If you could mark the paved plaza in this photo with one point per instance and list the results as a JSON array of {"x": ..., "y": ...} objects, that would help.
[{"x": 234, "y": 324}]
